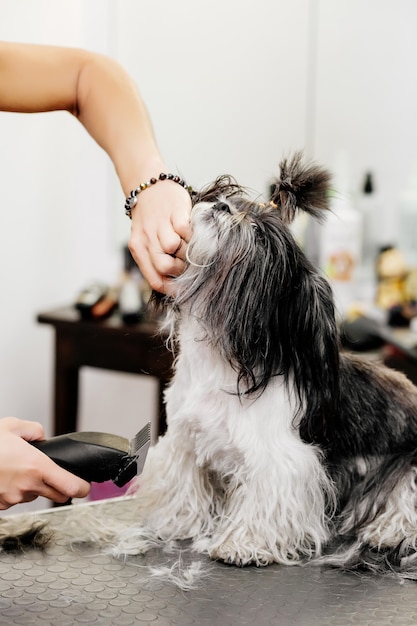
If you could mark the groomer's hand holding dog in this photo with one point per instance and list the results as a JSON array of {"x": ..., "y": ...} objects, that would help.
[
  {"x": 27, "y": 473},
  {"x": 105, "y": 99},
  {"x": 160, "y": 233}
]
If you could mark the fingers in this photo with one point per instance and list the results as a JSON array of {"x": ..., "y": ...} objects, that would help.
[
  {"x": 26, "y": 473},
  {"x": 182, "y": 227},
  {"x": 58, "y": 483},
  {"x": 30, "y": 431},
  {"x": 64, "y": 488},
  {"x": 171, "y": 243},
  {"x": 34, "y": 482},
  {"x": 12, "y": 498},
  {"x": 180, "y": 250},
  {"x": 55, "y": 482},
  {"x": 159, "y": 256},
  {"x": 157, "y": 266}
]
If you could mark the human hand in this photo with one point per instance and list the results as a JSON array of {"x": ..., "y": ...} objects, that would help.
[
  {"x": 160, "y": 233},
  {"x": 26, "y": 473}
]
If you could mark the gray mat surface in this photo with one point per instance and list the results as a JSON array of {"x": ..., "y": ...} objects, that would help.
[{"x": 81, "y": 585}]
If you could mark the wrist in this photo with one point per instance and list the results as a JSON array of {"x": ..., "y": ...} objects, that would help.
[
  {"x": 163, "y": 177},
  {"x": 140, "y": 170}
]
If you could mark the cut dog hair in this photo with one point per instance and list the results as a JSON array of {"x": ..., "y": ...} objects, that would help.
[{"x": 280, "y": 448}]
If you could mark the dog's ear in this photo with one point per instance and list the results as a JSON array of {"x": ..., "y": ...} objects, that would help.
[{"x": 300, "y": 186}]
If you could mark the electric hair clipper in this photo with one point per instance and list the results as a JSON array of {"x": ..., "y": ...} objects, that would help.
[{"x": 97, "y": 457}]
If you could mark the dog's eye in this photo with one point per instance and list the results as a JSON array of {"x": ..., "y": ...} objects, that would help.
[{"x": 222, "y": 206}]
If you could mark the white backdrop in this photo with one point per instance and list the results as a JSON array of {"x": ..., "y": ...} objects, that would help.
[{"x": 231, "y": 86}]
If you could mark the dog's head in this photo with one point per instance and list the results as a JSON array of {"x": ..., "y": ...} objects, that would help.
[{"x": 256, "y": 296}]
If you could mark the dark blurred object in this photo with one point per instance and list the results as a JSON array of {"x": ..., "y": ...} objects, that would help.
[
  {"x": 400, "y": 316},
  {"x": 107, "y": 305},
  {"x": 366, "y": 331},
  {"x": 397, "y": 360},
  {"x": 131, "y": 304},
  {"x": 361, "y": 335},
  {"x": 133, "y": 288},
  {"x": 368, "y": 186},
  {"x": 391, "y": 273},
  {"x": 396, "y": 348},
  {"x": 129, "y": 262},
  {"x": 97, "y": 301},
  {"x": 89, "y": 297}
]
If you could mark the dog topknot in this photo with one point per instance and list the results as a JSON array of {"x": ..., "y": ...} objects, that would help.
[{"x": 301, "y": 186}]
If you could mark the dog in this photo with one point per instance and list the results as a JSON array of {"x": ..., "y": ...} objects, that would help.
[{"x": 280, "y": 447}]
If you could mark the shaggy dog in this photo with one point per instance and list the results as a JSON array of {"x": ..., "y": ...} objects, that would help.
[{"x": 279, "y": 448}]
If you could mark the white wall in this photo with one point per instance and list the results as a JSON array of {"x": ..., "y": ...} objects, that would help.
[
  {"x": 231, "y": 85},
  {"x": 225, "y": 81},
  {"x": 55, "y": 218},
  {"x": 366, "y": 95}
]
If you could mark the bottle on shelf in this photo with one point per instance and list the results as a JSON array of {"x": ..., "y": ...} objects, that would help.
[{"x": 340, "y": 240}]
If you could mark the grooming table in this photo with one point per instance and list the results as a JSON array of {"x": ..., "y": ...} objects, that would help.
[{"x": 81, "y": 585}]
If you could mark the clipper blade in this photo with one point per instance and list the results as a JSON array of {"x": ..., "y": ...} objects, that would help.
[{"x": 139, "y": 446}]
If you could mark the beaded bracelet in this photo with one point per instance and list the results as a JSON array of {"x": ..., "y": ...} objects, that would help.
[{"x": 132, "y": 199}]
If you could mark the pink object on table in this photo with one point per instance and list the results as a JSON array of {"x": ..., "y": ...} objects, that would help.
[{"x": 102, "y": 491}]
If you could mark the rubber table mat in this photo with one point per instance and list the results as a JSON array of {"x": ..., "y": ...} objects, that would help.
[{"x": 65, "y": 586}]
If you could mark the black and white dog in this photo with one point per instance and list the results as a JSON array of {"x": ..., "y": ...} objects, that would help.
[{"x": 279, "y": 448}]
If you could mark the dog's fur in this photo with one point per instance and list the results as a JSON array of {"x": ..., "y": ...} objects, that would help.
[{"x": 279, "y": 447}]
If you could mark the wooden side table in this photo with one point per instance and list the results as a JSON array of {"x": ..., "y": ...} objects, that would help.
[{"x": 106, "y": 344}]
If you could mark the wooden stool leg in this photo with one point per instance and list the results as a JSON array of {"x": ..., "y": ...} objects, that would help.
[
  {"x": 162, "y": 417},
  {"x": 66, "y": 388}
]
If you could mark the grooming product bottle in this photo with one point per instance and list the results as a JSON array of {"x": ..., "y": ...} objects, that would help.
[
  {"x": 370, "y": 216},
  {"x": 134, "y": 290},
  {"x": 408, "y": 219},
  {"x": 340, "y": 241},
  {"x": 131, "y": 304}
]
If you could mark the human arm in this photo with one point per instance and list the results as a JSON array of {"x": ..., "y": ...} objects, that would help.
[
  {"x": 26, "y": 473},
  {"x": 99, "y": 92}
]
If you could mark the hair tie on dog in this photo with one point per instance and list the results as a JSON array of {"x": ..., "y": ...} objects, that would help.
[{"x": 272, "y": 204}]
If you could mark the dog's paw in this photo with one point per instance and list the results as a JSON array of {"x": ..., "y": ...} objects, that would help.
[{"x": 241, "y": 556}]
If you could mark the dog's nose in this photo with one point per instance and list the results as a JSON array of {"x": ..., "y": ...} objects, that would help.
[{"x": 222, "y": 206}]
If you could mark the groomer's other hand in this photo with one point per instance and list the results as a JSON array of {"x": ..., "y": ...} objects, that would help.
[
  {"x": 160, "y": 233},
  {"x": 26, "y": 473}
]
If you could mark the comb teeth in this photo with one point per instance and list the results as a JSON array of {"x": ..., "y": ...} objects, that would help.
[{"x": 142, "y": 438}]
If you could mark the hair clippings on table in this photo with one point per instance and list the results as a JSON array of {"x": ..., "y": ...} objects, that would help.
[{"x": 132, "y": 199}]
